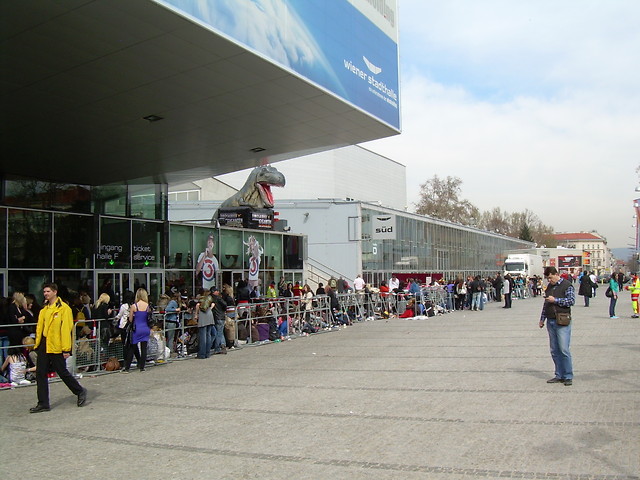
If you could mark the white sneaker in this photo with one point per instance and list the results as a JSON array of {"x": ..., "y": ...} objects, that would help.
[{"x": 24, "y": 382}]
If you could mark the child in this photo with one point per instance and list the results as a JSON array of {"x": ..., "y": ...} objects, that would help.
[{"x": 17, "y": 364}]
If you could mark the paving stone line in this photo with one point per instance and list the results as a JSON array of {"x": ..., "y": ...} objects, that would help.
[
  {"x": 370, "y": 416},
  {"x": 472, "y": 472}
]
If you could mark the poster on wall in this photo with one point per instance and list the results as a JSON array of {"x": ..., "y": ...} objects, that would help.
[
  {"x": 348, "y": 47},
  {"x": 254, "y": 253},
  {"x": 207, "y": 266}
]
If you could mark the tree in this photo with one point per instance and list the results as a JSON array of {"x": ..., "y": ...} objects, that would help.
[
  {"x": 495, "y": 221},
  {"x": 525, "y": 234},
  {"x": 439, "y": 199}
]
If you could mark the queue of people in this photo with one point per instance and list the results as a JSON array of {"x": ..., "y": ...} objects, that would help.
[{"x": 37, "y": 345}]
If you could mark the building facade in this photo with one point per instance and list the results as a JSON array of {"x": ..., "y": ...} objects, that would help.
[
  {"x": 106, "y": 103},
  {"x": 350, "y": 237},
  {"x": 594, "y": 248},
  {"x": 118, "y": 237}
]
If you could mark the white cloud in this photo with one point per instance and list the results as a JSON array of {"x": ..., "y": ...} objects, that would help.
[
  {"x": 566, "y": 160},
  {"x": 532, "y": 104}
]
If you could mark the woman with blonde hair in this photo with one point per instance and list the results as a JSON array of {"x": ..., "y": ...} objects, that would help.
[
  {"x": 307, "y": 300},
  {"x": 17, "y": 316},
  {"x": 140, "y": 315},
  {"x": 100, "y": 312}
]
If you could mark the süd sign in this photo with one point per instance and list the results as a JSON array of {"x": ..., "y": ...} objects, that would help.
[{"x": 383, "y": 227}]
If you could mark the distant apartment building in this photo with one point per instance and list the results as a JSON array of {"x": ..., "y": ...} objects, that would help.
[{"x": 596, "y": 254}]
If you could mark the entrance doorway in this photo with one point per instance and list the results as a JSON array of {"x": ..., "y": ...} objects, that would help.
[
  {"x": 152, "y": 281},
  {"x": 120, "y": 280},
  {"x": 111, "y": 281}
]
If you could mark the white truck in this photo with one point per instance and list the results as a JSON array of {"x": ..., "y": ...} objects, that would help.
[{"x": 524, "y": 265}]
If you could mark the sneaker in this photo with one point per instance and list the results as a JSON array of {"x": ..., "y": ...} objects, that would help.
[
  {"x": 635, "y": 315},
  {"x": 568, "y": 382},
  {"x": 124, "y": 370},
  {"x": 24, "y": 382},
  {"x": 555, "y": 380},
  {"x": 614, "y": 317}
]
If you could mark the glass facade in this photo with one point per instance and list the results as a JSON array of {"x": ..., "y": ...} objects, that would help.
[
  {"x": 116, "y": 236},
  {"x": 429, "y": 247}
]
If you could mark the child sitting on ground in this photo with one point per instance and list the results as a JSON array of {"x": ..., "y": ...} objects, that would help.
[{"x": 17, "y": 364}]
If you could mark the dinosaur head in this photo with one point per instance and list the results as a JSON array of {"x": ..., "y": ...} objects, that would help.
[{"x": 267, "y": 177}]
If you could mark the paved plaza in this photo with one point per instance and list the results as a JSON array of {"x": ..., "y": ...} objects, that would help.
[{"x": 459, "y": 396}]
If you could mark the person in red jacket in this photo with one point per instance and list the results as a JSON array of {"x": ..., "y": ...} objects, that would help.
[{"x": 410, "y": 310}]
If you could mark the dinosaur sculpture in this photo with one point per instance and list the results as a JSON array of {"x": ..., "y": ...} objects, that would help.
[{"x": 256, "y": 191}]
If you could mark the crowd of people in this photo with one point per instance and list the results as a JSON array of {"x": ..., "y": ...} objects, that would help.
[{"x": 215, "y": 320}]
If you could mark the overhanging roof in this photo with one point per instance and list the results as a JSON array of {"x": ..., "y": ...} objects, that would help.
[{"x": 79, "y": 76}]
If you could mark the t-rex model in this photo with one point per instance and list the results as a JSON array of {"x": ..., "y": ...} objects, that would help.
[{"x": 256, "y": 191}]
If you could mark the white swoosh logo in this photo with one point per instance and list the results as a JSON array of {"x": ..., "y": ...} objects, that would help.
[{"x": 375, "y": 70}]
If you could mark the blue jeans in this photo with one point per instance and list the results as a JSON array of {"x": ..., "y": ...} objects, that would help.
[
  {"x": 476, "y": 302},
  {"x": 170, "y": 328},
  {"x": 219, "y": 341},
  {"x": 559, "y": 340},
  {"x": 205, "y": 340},
  {"x": 612, "y": 306},
  {"x": 283, "y": 329}
]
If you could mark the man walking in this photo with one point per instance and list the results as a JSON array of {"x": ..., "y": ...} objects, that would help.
[
  {"x": 53, "y": 344},
  {"x": 559, "y": 298}
]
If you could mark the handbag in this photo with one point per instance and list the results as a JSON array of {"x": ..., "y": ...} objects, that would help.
[
  {"x": 563, "y": 318},
  {"x": 608, "y": 293}
]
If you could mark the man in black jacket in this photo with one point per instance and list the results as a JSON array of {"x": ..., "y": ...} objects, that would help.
[
  {"x": 497, "y": 285},
  {"x": 219, "y": 316}
]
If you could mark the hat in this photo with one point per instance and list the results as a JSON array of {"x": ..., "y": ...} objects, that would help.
[{"x": 214, "y": 289}]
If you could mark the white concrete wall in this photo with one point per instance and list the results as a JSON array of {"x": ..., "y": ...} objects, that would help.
[{"x": 326, "y": 225}]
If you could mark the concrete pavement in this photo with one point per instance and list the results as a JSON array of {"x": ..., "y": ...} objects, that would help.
[{"x": 460, "y": 396}]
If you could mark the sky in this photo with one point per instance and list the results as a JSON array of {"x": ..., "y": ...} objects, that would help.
[{"x": 532, "y": 104}]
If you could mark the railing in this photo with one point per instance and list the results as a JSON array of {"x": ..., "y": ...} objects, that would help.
[{"x": 95, "y": 341}]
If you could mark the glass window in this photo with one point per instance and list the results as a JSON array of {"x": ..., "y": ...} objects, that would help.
[
  {"x": 231, "y": 249},
  {"x": 148, "y": 201},
  {"x": 28, "y": 281},
  {"x": 180, "y": 246},
  {"x": 3, "y": 237},
  {"x": 73, "y": 281},
  {"x": 109, "y": 200},
  {"x": 25, "y": 192},
  {"x": 73, "y": 241},
  {"x": 147, "y": 244},
  {"x": 272, "y": 252},
  {"x": 293, "y": 252},
  {"x": 29, "y": 238},
  {"x": 115, "y": 244}
]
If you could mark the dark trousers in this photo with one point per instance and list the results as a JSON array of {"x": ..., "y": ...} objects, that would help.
[
  {"x": 56, "y": 362},
  {"x": 140, "y": 353},
  {"x": 507, "y": 300}
]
